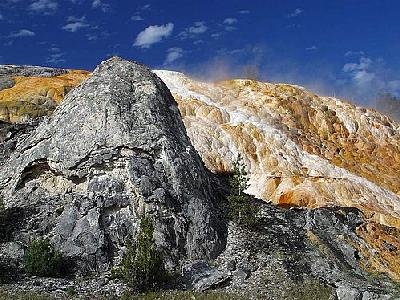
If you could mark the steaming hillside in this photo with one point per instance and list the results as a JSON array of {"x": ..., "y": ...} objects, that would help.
[
  {"x": 300, "y": 149},
  {"x": 117, "y": 149}
]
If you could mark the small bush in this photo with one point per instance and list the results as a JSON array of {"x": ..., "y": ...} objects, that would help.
[
  {"x": 142, "y": 267},
  {"x": 41, "y": 259},
  {"x": 182, "y": 295},
  {"x": 240, "y": 207},
  {"x": 309, "y": 290},
  {"x": 2, "y": 206}
]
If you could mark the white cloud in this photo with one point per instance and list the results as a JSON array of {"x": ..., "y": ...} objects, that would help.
[
  {"x": 137, "y": 18},
  {"x": 22, "y": 33},
  {"x": 43, "y": 6},
  {"x": 145, "y": 7},
  {"x": 363, "y": 77},
  {"x": 354, "y": 53},
  {"x": 244, "y": 11},
  {"x": 199, "y": 27},
  {"x": 312, "y": 48},
  {"x": 192, "y": 31},
  {"x": 295, "y": 13},
  {"x": 74, "y": 24},
  {"x": 360, "y": 72},
  {"x": 138, "y": 14},
  {"x": 100, "y": 5},
  {"x": 230, "y": 28},
  {"x": 172, "y": 55},
  {"x": 364, "y": 64},
  {"x": 92, "y": 37},
  {"x": 55, "y": 58},
  {"x": 153, "y": 34},
  {"x": 1, "y": 17},
  {"x": 230, "y": 21}
]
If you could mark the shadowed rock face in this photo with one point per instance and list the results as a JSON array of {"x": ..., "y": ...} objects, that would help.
[{"x": 114, "y": 150}]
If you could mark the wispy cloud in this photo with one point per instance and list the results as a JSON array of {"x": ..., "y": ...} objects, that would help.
[
  {"x": 244, "y": 12},
  {"x": 55, "y": 58},
  {"x": 172, "y": 55},
  {"x": 92, "y": 37},
  {"x": 74, "y": 24},
  {"x": 99, "y": 4},
  {"x": 136, "y": 18},
  {"x": 297, "y": 12},
  {"x": 312, "y": 48},
  {"x": 230, "y": 21},
  {"x": 192, "y": 31},
  {"x": 43, "y": 6},
  {"x": 145, "y": 7},
  {"x": 22, "y": 33},
  {"x": 153, "y": 34},
  {"x": 1, "y": 17},
  {"x": 354, "y": 53},
  {"x": 365, "y": 77},
  {"x": 360, "y": 71}
]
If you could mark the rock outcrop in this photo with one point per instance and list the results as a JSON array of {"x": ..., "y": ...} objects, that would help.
[
  {"x": 295, "y": 254},
  {"x": 28, "y": 92},
  {"x": 115, "y": 149}
]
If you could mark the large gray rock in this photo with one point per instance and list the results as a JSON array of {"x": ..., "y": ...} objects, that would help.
[{"x": 115, "y": 149}]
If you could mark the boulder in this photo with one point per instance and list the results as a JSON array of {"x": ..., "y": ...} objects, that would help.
[{"x": 115, "y": 150}]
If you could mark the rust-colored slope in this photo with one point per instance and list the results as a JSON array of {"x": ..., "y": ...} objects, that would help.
[
  {"x": 300, "y": 149},
  {"x": 32, "y": 97}
]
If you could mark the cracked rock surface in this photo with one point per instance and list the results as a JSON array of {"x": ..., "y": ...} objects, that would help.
[{"x": 115, "y": 149}]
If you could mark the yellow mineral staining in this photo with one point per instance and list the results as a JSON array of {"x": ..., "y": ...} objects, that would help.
[
  {"x": 36, "y": 96},
  {"x": 278, "y": 128},
  {"x": 382, "y": 250},
  {"x": 361, "y": 141},
  {"x": 318, "y": 130},
  {"x": 195, "y": 108}
]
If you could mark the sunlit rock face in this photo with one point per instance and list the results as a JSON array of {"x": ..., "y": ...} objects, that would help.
[
  {"x": 28, "y": 92},
  {"x": 300, "y": 149}
]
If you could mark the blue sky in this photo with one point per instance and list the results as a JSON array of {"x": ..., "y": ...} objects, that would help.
[{"x": 345, "y": 48}]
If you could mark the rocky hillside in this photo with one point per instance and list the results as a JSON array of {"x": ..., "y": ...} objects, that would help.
[
  {"x": 117, "y": 148},
  {"x": 301, "y": 149},
  {"x": 28, "y": 92}
]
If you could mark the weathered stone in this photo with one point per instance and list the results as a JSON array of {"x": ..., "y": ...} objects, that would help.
[
  {"x": 201, "y": 277},
  {"x": 116, "y": 149},
  {"x": 27, "y": 71},
  {"x": 295, "y": 249},
  {"x": 348, "y": 293}
]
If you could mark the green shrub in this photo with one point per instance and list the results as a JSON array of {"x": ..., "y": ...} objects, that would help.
[
  {"x": 182, "y": 295},
  {"x": 41, "y": 259},
  {"x": 309, "y": 290},
  {"x": 142, "y": 266},
  {"x": 240, "y": 207}
]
